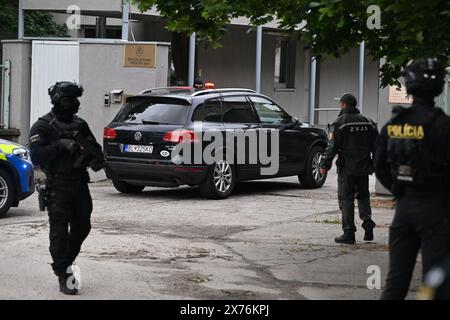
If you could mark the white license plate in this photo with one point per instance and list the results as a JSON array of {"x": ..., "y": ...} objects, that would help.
[{"x": 138, "y": 149}]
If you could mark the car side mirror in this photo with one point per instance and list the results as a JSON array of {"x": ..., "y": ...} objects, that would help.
[
  {"x": 294, "y": 121},
  {"x": 291, "y": 124}
]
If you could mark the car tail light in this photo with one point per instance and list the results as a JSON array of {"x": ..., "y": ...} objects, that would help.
[
  {"x": 210, "y": 85},
  {"x": 179, "y": 136},
  {"x": 109, "y": 134}
]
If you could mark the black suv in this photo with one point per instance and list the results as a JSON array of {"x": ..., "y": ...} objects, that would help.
[{"x": 140, "y": 141}]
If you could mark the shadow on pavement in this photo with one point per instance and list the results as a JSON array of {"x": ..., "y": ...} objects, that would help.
[{"x": 242, "y": 189}]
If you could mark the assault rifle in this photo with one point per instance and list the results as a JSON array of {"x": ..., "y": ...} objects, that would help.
[{"x": 89, "y": 150}]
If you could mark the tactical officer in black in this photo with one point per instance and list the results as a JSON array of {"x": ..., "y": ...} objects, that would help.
[
  {"x": 54, "y": 149},
  {"x": 412, "y": 161},
  {"x": 353, "y": 139}
]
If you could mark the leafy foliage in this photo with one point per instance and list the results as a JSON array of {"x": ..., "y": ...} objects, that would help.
[
  {"x": 37, "y": 23},
  {"x": 41, "y": 24},
  {"x": 409, "y": 29}
]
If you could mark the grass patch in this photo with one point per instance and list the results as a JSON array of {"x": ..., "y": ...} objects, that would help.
[
  {"x": 331, "y": 221},
  {"x": 199, "y": 279}
]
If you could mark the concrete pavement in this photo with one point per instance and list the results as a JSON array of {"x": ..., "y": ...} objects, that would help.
[{"x": 270, "y": 240}]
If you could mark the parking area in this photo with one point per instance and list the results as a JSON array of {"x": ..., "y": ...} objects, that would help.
[{"x": 270, "y": 240}]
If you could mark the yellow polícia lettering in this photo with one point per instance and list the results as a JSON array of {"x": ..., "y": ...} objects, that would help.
[{"x": 405, "y": 131}]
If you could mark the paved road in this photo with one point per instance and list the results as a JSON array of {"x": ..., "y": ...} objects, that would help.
[{"x": 271, "y": 240}]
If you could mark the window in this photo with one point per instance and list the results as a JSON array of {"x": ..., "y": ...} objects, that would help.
[
  {"x": 238, "y": 110},
  {"x": 209, "y": 111},
  {"x": 153, "y": 112},
  {"x": 268, "y": 112},
  {"x": 110, "y": 32},
  {"x": 285, "y": 58}
]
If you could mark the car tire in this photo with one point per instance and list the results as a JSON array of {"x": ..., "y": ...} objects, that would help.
[
  {"x": 126, "y": 187},
  {"x": 7, "y": 192},
  {"x": 311, "y": 178},
  {"x": 220, "y": 181}
]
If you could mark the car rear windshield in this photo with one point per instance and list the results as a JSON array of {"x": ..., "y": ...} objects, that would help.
[{"x": 153, "y": 112}]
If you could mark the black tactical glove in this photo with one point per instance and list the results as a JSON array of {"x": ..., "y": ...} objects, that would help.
[
  {"x": 96, "y": 165},
  {"x": 66, "y": 144}
]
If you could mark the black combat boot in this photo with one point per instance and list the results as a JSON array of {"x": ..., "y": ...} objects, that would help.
[
  {"x": 347, "y": 238},
  {"x": 368, "y": 226},
  {"x": 63, "y": 285}
]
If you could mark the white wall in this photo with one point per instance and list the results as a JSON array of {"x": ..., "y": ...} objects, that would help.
[
  {"x": 62, "y": 5},
  {"x": 294, "y": 101},
  {"x": 19, "y": 53},
  {"x": 233, "y": 65},
  {"x": 52, "y": 61},
  {"x": 338, "y": 76},
  {"x": 101, "y": 70}
]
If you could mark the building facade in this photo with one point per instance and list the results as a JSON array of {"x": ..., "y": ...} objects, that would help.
[
  {"x": 310, "y": 91},
  {"x": 285, "y": 64}
]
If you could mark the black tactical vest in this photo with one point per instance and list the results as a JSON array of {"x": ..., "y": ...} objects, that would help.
[
  {"x": 409, "y": 151},
  {"x": 62, "y": 167}
]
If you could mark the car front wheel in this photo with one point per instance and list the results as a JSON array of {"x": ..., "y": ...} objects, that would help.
[
  {"x": 311, "y": 177},
  {"x": 220, "y": 181},
  {"x": 126, "y": 187},
  {"x": 7, "y": 192}
]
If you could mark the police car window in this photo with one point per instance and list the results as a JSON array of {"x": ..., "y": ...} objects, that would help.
[
  {"x": 237, "y": 110},
  {"x": 209, "y": 111},
  {"x": 152, "y": 112},
  {"x": 268, "y": 112}
]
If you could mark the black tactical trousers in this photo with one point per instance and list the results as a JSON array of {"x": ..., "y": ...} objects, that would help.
[
  {"x": 419, "y": 224},
  {"x": 69, "y": 210},
  {"x": 349, "y": 188}
]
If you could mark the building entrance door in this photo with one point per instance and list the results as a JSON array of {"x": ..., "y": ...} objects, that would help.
[{"x": 52, "y": 61}]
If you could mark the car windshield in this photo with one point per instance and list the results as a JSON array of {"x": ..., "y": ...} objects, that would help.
[{"x": 153, "y": 112}]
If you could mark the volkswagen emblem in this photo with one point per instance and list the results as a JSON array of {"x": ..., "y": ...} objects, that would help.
[{"x": 137, "y": 136}]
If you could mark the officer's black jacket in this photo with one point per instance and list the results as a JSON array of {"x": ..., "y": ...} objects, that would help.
[
  {"x": 353, "y": 139},
  {"x": 438, "y": 137},
  {"x": 57, "y": 163}
]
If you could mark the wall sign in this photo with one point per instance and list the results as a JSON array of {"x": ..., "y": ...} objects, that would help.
[
  {"x": 399, "y": 95},
  {"x": 140, "y": 55}
]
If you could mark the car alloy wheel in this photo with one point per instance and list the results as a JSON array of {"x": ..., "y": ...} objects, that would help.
[
  {"x": 318, "y": 177},
  {"x": 3, "y": 192},
  {"x": 223, "y": 176}
]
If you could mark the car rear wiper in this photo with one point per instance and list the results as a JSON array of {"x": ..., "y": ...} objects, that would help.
[{"x": 152, "y": 122}]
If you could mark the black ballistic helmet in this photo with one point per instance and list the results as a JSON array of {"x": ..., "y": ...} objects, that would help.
[
  {"x": 424, "y": 77},
  {"x": 64, "y": 89},
  {"x": 349, "y": 100}
]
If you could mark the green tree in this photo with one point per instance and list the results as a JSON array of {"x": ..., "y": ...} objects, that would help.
[
  {"x": 37, "y": 23},
  {"x": 409, "y": 29}
]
